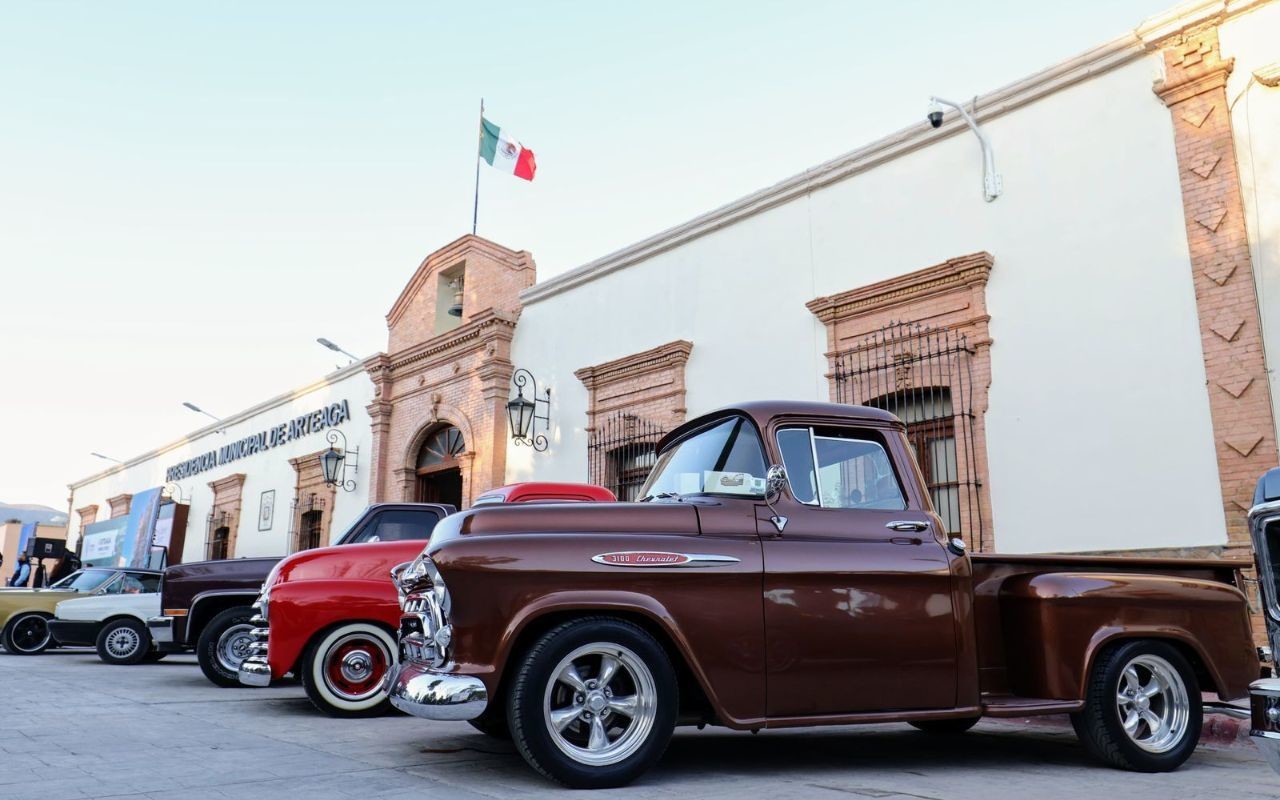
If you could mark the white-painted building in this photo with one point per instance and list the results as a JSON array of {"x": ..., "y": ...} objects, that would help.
[
  {"x": 1085, "y": 363},
  {"x": 253, "y": 480}
]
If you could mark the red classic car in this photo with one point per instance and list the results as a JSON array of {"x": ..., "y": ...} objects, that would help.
[{"x": 330, "y": 615}]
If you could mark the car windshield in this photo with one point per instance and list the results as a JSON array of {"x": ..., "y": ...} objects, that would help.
[
  {"x": 725, "y": 458},
  {"x": 85, "y": 580}
]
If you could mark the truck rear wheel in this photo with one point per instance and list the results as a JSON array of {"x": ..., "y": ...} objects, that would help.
[
  {"x": 123, "y": 641},
  {"x": 593, "y": 703},
  {"x": 28, "y": 634},
  {"x": 344, "y": 668},
  {"x": 1142, "y": 710},
  {"x": 223, "y": 644}
]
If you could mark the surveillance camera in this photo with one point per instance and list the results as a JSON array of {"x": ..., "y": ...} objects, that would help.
[{"x": 935, "y": 114}]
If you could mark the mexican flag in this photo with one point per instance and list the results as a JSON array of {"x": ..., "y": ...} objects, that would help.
[{"x": 501, "y": 151}]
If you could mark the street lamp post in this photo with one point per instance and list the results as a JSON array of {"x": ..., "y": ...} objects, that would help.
[{"x": 326, "y": 343}]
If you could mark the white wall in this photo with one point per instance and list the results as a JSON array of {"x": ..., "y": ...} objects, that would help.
[
  {"x": 1098, "y": 429},
  {"x": 263, "y": 470},
  {"x": 1251, "y": 39}
]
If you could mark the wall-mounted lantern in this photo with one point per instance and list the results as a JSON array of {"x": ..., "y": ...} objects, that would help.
[
  {"x": 522, "y": 413},
  {"x": 173, "y": 491},
  {"x": 335, "y": 461}
]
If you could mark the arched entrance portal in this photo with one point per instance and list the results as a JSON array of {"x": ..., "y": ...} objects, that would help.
[{"x": 439, "y": 472}]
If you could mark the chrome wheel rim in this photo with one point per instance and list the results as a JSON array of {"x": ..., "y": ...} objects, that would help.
[
  {"x": 600, "y": 704},
  {"x": 123, "y": 642},
  {"x": 355, "y": 666},
  {"x": 1152, "y": 702},
  {"x": 233, "y": 646},
  {"x": 31, "y": 633}
]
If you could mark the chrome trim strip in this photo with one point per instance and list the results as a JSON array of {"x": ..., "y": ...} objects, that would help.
[{"x": 690, "y": 559}]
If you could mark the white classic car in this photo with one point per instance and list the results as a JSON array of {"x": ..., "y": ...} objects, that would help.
[{"x": 115, "y": 622}]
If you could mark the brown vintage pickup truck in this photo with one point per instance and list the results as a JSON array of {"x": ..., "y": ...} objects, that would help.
[{"x": 785, "y": 567}]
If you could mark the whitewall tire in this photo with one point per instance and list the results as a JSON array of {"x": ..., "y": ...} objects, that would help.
[{"x": 344, "y": 669}]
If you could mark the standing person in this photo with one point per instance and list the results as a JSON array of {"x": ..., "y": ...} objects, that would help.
[
  {"x": 39, "y": 582},
  {"x": 68, "y": 564},
  {"x": 20, "y": 571}
]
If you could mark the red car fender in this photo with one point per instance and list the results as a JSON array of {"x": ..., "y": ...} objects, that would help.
[{"x": 299, "y": 610}]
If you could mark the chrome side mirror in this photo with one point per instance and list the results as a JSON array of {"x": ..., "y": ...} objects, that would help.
[{"x": 775, "y": 480}]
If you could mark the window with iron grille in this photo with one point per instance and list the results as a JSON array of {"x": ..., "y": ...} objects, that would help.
[
  {"x": 218, "y": 536},
  {"x": 923, "y": 376},
  {"x": 620, "y": 453},
  {"x": 307, "y": 523}
]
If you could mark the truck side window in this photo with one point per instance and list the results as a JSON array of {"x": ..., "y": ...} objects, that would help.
[
  {"x": 397, "y": 525},
  {"x": 852, "y": 471}
]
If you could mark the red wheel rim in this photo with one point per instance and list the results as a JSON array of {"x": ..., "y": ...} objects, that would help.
[{"x": 355, "y": 666}]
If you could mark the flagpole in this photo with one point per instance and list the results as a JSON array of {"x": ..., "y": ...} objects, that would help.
[{"x": 475, "y": 208}]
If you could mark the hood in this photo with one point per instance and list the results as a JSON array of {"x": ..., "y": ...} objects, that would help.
[
  {"x": 102, "y": 606},
  {"x": 570, "y": 518},
  {"x": 221, "y": 568},
  {"x": 367, "y": 561}
]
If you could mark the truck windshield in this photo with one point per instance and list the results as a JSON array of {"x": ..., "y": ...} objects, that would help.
[
  {"x": 725, "y": 458},
  {"x": 85, "y": 580}
]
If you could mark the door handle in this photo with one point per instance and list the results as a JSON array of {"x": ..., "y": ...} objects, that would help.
[{"x": 906, "y": 525}]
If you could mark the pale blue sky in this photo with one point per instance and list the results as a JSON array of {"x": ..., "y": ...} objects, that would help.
[{"x": 191, "y": 193}]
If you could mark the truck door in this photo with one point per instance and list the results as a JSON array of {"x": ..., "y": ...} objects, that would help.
[{"x": 857, "y": 584}]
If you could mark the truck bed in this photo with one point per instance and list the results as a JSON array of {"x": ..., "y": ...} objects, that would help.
[{"x": 998, "y": 634}]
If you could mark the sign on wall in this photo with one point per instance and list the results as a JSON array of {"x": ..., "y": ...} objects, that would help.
[
  {"x": 267, "y": 510},
  {"x": 296, "y": 428}
]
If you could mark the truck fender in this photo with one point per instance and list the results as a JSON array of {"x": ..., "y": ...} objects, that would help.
[
  {"x": 300, "y": 610},
  {"x": 603, "y": 602},
  {"x": 1056, "y": 623}
]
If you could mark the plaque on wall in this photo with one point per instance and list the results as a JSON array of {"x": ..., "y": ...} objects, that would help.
[{"x": 267, "y": 510}]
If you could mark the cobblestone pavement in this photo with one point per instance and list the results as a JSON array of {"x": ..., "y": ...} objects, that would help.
[{"x": 73, "y": 727}]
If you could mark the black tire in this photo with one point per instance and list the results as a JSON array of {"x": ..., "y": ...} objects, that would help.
[
  {"x": 154, "y": 656},
  {"x": 493, "y": 722},
  {"x": 229, "y": 624},
  {"x": 123, "y": 641},
  {"x": 356, "y": 697},
  {"x": 945, "y": 727},
  {"x": 27, "y": 634},
  {"x": 1100, "y": 725},
  {"x": 534, "y": 682}
]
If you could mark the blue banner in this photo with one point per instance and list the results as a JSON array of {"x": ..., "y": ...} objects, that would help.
[{"x": 144, "y": 509}]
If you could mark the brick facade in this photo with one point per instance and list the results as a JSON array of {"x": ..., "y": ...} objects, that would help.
[
  {"x": 949, "y": 297},
  {"x": 1194, "y": 89},
  {"x": 88, "y": 515},
  {"x": 649, "y": 385},
  {"x": 227, "y": 501},
  {"x": 457, "y": 377},
  {"x": 119, "y": 505}
]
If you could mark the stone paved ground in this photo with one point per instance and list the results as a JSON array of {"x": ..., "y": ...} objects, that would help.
[{"x": 73, "y": 727}]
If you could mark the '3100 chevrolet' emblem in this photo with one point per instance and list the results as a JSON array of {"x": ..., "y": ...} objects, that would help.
[{"x": 659, "y": 558}]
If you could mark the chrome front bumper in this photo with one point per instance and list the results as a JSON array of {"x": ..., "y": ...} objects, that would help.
[
  {"x": 419, "y": 690},
  {"x": 255, "y": 670},
  {"x": 1264, "y": 701}
]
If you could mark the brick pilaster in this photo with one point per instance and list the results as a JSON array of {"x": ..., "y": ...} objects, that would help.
[{"x": 1194, "y": 89}]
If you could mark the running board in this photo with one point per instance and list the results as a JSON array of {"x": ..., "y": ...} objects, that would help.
[
  {"x": 1227, "y": 709},
  {"x": 1012, "y": 706}
]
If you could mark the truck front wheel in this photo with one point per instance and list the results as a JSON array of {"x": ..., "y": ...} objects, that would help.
[
  {"x": 593, "y": 703},
  {"x": 344, "y": 668},
  {"x": 1142, "y": 710},
  {"x": 223, "y": 644}
]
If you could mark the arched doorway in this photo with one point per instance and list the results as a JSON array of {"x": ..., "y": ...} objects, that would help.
[{"x": 439, "y": 472}]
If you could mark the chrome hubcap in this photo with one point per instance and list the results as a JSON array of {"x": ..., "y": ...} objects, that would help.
[
  {"x": 1153, "y": 705},
  {"x": 233, "y": 647},
  {"x": 357, "y": 665},
  {"x": 600, "y": 704},
  {"x": 123, "y": 642}
]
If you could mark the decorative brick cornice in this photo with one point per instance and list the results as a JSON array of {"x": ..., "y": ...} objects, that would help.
[
  {"x": 88, "y": 514},
  {"x": 447, "y": 256},
  {"x": 954, "y": 273},
  {"x": 488, "y": 323},
  {"x": 119, "y": 504},
  {"x": 229, "y": 485},
  {"x": 664, "y": 356}
]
